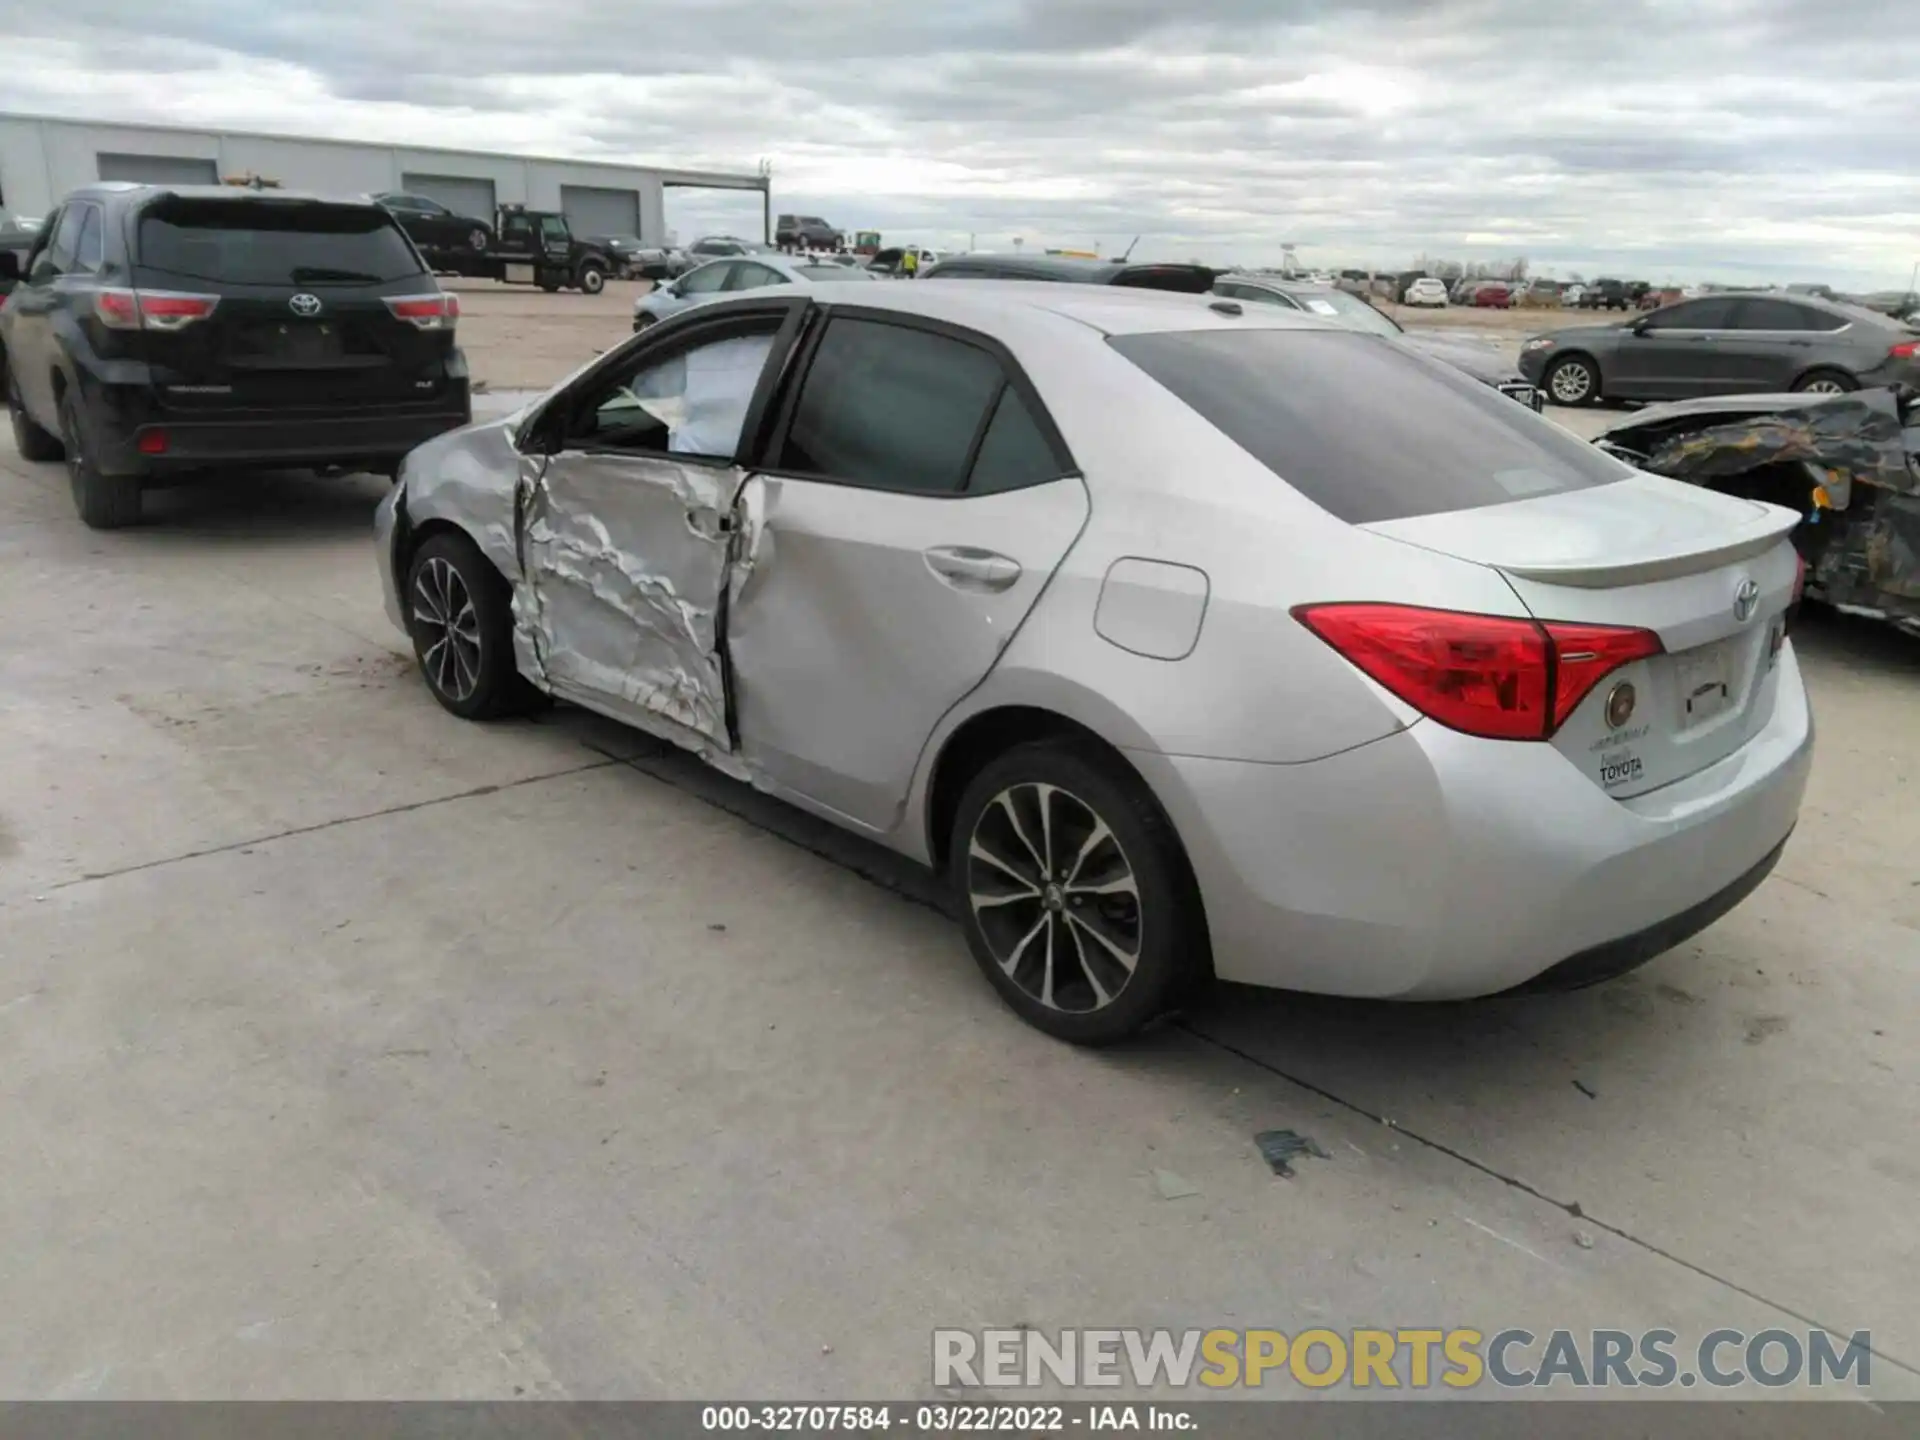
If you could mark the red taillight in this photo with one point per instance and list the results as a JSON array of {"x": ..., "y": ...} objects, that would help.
[
  {"x": 1488, "y": 675},
  {"x": 438, "y": 311},
  {"x": 151, "y": 309},
  {"x": 1905, "y": 350},
  {"x": 153, "y": 442}
]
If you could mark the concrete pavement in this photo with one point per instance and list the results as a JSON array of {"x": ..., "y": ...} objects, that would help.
[{"x": 351, "y": 1051}]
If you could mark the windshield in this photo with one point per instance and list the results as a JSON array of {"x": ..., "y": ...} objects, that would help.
[
  {"x": 1434, "y": 440},
  {"x": 252, "y": 242},
  {"x": 1350, "y": 308}
]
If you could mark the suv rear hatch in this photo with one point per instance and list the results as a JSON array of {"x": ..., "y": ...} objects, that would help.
[
  {"x": 1634, "y": 581},
  {"x": 318, "y": 306}
]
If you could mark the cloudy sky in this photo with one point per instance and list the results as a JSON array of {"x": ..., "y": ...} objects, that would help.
[{"x": 1670, "y": 139}]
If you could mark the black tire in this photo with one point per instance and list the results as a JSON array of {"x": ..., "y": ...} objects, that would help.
[
  {"x": 644, "y": 321},
  {"x": 1826, "y": 382},
  {"x": 105, "y": 502},
  {"x": 1162, "y": 925},
  {"x": 593, "y": 279},
  {"x": 29, "y": 439},
  {"x": 477, "y": 239},
  {"x": 476, "y": 680},
  {"x": 550, "y": 282},
  {"x": 1563, "y": 385}
]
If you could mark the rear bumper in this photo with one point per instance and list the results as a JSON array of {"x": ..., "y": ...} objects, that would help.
[
  {"x": 260, "y": 438},
  {"x": 1431, "y": 865}
]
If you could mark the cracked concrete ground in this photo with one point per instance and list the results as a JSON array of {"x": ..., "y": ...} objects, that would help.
[{"x": 351, "y": 1051}]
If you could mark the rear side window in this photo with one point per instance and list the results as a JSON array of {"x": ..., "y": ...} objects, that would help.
[
  {"x": 90, "y": 249},
  {"x": 242, "y": 242},
  {"x": 1365, "y": 429},
  {"x": 1770, "y": 315},
  {"x": 897, "y": 408}
]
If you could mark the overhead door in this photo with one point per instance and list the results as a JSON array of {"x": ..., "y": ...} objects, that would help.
[
  {"x": 463, "y": 194},
  {"x": 159, "y": 169},
  {"x": 594, "y": 210}
]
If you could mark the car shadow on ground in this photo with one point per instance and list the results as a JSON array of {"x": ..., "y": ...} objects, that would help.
[
  {"x": 1857, "y": 641},
  {"x": 256, "y": 507}
]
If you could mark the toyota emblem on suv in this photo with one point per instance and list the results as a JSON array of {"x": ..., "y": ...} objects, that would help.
[
  {"x": 1745, "y": 599},
  {"x": 307, "y": 305}
]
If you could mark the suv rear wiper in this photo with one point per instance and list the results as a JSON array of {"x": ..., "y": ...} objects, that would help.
[{"x": 305, "y": 273}]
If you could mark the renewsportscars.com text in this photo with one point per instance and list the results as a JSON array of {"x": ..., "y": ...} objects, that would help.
[{"x": 1412, "y": 1359}]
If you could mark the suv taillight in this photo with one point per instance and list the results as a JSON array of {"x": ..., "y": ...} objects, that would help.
[
  {"x": 1905, "y": 350},
  {"x": 438, "y": 311},
  {"x": 1487, "y": 675},
  {"x": 151, "y": 309}
]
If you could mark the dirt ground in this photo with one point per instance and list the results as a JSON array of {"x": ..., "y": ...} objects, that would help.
[{"x": 518, "y": 338}]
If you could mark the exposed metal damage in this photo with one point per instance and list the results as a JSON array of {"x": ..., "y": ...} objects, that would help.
[{"x": 1850, "y": 464}]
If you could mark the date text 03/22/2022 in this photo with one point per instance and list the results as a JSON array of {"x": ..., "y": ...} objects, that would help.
[{"x": 944, "y": 1418}]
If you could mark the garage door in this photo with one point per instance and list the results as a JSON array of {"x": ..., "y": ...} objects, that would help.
[
  {"x": 592, "y": 210},
  {"x": 159, "y": 169},
  {"x": 462, "y": 194}
]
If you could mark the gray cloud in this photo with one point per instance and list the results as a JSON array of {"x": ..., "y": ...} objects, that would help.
[{"x": 1751, "y": 138}]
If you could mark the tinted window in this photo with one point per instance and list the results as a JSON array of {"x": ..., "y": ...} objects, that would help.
[
  {"x": 749, "y": 276},
  {"x": 1712, "y": 313},
  {"x": 552, "y": 227},
  {"x": 89, "y": 249},
  {"x": 706, "y": 280},
  {"x": 1812, "y": 319},
  {"x": 1432, "y": 440},
  {"x": 1015, "y": 451},
  {"x": 890, "y": 407},
  {"x": 1769, "y": 315},
  {"x": 264, "y": 243},
  {"x": 692, "y": 401},
  {"x": 66, "y": 239}
]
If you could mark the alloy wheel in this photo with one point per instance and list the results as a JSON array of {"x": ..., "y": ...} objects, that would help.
[
  {"x": 1055, "y": 897},
  {"x": 1571, "y": 383},
  {"x": 448, "y": 628},
  {"x": 1823, "y": 387}
]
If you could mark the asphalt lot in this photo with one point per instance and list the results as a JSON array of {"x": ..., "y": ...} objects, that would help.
[{"x": 352, "y": 1051}]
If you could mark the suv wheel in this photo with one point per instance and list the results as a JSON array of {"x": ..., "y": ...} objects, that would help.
[
  {"x": 460, "y": 615},
  {"x": 29, "y": 439},
  {"x": 1074, "y": 893},
  {"x": 105, "y": 502}
]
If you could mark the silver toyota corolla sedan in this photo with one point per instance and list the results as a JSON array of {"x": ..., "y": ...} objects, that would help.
[{"x": 1188, "y": 638}]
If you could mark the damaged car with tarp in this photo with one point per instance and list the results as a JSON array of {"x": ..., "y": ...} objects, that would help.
[{"x": 1849, "y": 463}]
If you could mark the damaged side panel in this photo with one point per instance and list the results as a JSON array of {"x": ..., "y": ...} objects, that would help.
[
  {"x": 1846, "y": 462},
  {"x": 623, "y": 562}
]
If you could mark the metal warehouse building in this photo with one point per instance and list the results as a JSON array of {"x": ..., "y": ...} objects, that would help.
[{"x": 42, "y": 159}]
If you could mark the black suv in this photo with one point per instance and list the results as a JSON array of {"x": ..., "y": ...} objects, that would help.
[
  {"x": 157, "y": 330},
  {"x": 1076, "y": 270},
  {"x": 806, "y": 232}
]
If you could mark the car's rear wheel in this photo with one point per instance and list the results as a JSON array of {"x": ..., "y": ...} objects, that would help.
[
  {"x": 1075, "y": 894},
  {"x": 460, "y": 615},
  {"x": 105, "y": 502},
  {"x": 29, "y": 439},
  {"x": 1825, "y": 382},
  {"x": 1573, "y": 380}
]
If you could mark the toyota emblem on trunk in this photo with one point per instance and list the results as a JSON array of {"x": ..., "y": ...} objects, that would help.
[
  {"x": 308, "y": 305},
  {"x": 1744, "y": 600}
]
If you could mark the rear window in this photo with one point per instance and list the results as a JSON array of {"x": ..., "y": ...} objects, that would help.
[
  {"x": 1365, "y": 429},
  {"x": 244, "y": 242}
]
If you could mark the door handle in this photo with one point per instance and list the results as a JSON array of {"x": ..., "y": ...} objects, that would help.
[{"x": 968, "y": 568}]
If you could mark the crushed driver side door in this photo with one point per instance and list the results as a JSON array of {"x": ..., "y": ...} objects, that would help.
[{"x": 623, "y": 532}]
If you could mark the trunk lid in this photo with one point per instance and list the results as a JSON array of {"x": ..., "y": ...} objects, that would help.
[
  {"x": 302, "y": 320},
  {"x": 1712, "y": 575}
]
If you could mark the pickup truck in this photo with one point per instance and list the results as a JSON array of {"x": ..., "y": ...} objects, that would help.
[{"x": 538, "y": 247}]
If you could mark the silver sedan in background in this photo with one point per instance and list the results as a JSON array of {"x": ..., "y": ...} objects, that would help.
[
  {"x": 730, "y": 276},
  {"x": 1186, "y": 639}
]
